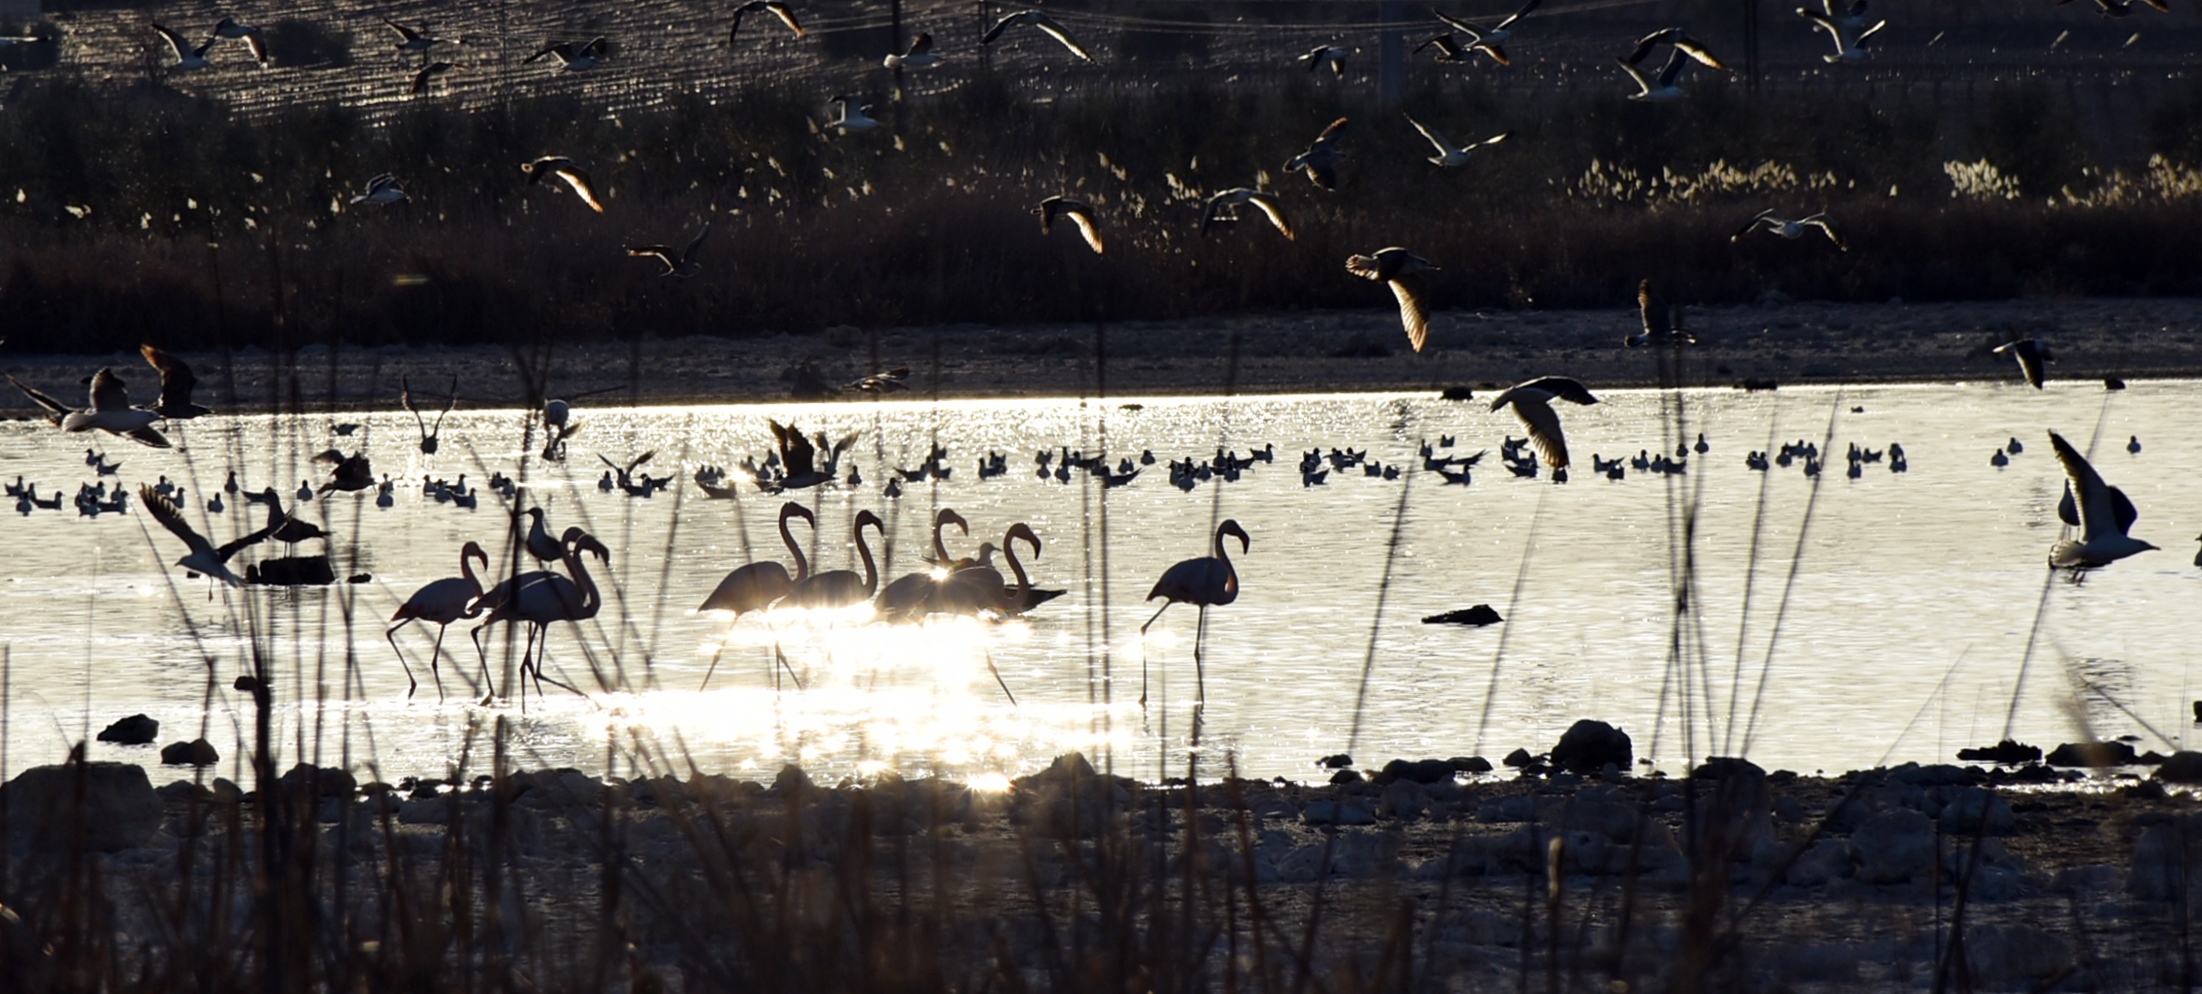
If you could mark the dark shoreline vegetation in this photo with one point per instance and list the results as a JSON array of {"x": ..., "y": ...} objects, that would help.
[{"x": 812, "y": 232}]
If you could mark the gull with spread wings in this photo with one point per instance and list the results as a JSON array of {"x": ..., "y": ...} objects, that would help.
[
  {"x": 110, "y": 411},
  {"x": 1223, "y": 207},
  {"x": 177, "y": 382},
  {"x": 1046, "y": 25},
  {"x": 1532, "y": 403},
  {"x": 205, "y": 558},
  {"x": 2102, "y": 513},
  {"x": 563, "y": 168},
  {"x": 1321, "y": 158},
  {"x": 682, "y": 264},
  {"x": 430, "y": 437},
  {"x": 1449, "y": 154},
  {"x": 1399, "y": 269},
  {"x": 1078, "y": 211}
]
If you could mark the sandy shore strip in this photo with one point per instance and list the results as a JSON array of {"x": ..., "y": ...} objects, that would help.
[{"x": 1783, "y": 343}]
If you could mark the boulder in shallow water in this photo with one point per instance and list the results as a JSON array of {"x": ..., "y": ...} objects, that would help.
[
  {"x": 197, "y": 752},
  {"x": 1893, "y": 847},
  {"x": 135, "y": 730},
  {"x": 2184, "y": 766},
  {"x": 1588, "y": 746},
  {"x": 1480, "y": 615},
  {"x": 2111, "y": 753},
  {"x": 105, "y": 806}
]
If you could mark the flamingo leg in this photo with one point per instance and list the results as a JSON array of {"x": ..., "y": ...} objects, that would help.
[
  {"x": 392, "y": 635},
  {"x": 998, "y": 677},
  {"x": 713, "y": 668},
  {"x": 1143, "y": 651},
  {"x": 1200, "y": 673},
  {"x": 435, "y": 662},
  {"x": 483, "y": 651},
  {"x": 784, "y": 664}
]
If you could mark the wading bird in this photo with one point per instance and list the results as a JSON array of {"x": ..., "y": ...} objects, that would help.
[
  {"x": 911, "y": 597},
  {"x": 682, "y": 264},
  {"x": 176, "y": 385},
  {"x": 756, "y": 586},
  {"x": 110, "y": 411},
  {"x": 540, "y": 598},
  {"x": 1399, "y": 269},
  {"x": 2102, "y": 513},
  {"x": 1224, "y": 207},
  {"x": 774, "y": 7},
  {"x": 558, "y": 426},
  {"x": 2032, "y": 354},
  {"x": 1786, "y": 228},
  {"x": 1079, "y": 212},
  {"x": 431, "y": 438},
  {"x": 205, "y": 558},
  {"x": 563, "y": 168},
  {"x": 1449, "y": 154},
  {"x": 442, "y": 602},
  {"x": 842, "y": 587},
  {"x": 1041, "y": 21},
  {"x": 1023, "y": 597},
  {"x": 1204, "y": 582},
  {"x": 1532, "y": 403}
]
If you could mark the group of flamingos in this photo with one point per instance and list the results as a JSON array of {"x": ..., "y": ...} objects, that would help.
[{"x": 969, "y": 586}]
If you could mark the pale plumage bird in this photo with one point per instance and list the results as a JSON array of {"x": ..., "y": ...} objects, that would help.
[
  {"x": 683, "y": 263},
  {"x": 1321, "y": 157},
  {"x": 2032, "y": 355},
  {"x": 919, "y": 55},
  {"x": 776, "y": 8},
  {"x": 1399, "y": 269},
  {"x": 1662, "y": 88},
  {"x": 1792, "y": 230},
  {"x": 205, "y": 558},
  {"x": 1041, "y": 21},
  {"x": 1325, "y": 55},
  {"x": 1449, "y": 154},
  {"x": 1532, "y": 403},
  {"x": 1488, "y": 38},
  {"x": 563, "y": 168},
  {"x": 110, "y": 410},
  {"x": 1224, "y": 207},
  {"x": 1210, "y": 581},
  {"x": 382, "y": 191},
  {"x": 575, "y": 58},
  {"x": 254, "y": 40},
  {"x": 187, "y": 57},
  {"x": 1661, "y": 324},
  {"x": 413, "y": 39},
  {"x": 2103, "y": 515},
  {"x": 851, "y": 114},
  {"x": 1850, "y": 43},
  {"x": 1078, "y": 211},
  {"x": 440, "y": 602},
  {"x": 177, "y": 382}
]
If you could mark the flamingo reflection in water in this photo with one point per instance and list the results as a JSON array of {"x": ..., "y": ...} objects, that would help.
[
  {"x": 1207, "y": 581},
  {"x": 757, "y": 586}
]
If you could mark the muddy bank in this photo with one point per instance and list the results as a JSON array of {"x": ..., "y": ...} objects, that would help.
[
  {"x": 1783, "y": 343},
  {"x": 1750, "y": 879}
]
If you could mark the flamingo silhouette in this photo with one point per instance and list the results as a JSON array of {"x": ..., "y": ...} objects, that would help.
[
  {"x": 538, "y": 598},
  {"x": 443, "y": 602},
  {"x": 1209, "y": 580},
  {"x": 756, "y": 586},
  {"x": 1023, "y": 597},
  {"x": 909, "y": 597},
  {"x": 843, "y": 587}
]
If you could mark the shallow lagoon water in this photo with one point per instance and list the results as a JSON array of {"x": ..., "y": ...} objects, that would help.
[{"x": 1909, "y": 615}]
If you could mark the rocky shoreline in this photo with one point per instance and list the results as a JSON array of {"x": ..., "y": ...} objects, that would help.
[
  {"x": 2056, "y": 879},
  {"x": 1774, "y": 343}
]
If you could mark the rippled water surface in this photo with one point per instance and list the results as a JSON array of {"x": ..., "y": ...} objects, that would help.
[{"x": 1910, "y": 602}]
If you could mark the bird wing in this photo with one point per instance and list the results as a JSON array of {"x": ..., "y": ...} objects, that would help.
[
  {"x": 1445, "y": 46},
  {"x": 428, "y": 72},
  {"x": 1055, "y": 31},
  {"x": 1543, "y": 424},
  {"x": 172, "y": 519},
  {"x": 108, "y": 393},
  {"x": 1821, "y": 223},
  {"x": 1496, "y": 53},
  {"x": 408, "y": 34},
  {"x": 639, "y": 460},
  {"x": 1084, "y": 221},
  {"x": 177, "y": 379},
  {"x": 796, "y": 453},
  {"x": 1473, "y": 32},
  {"x": 561, "y": 49},
  {"x": 175, "y": 41},
  {"x": 257, "y": 45},
  {"x": 405, "y": 400},
  {"x": 1658, "y": 320},
  {"x": 1001, "y": 26},
  {"x": 1819, "y": 21},
  {"x": 1493, "y": 140},
  {"x": 237, "y": 545},
  {"x": 1746, "y": 229},
  {"x": 922, "y": 45},
  {"x": 1443, "y": 147},
  {"x": 1413, "y": 314},
  {"x": 1207, "y": 220},
  {"x": 1323, "y": 174},
  {"x": 1642, "y": 85},
  {"x": 663, "y": 254},
  {"x": 542, "y": 166},
  {"x": 1330, "y": 135},
  {"x": 1860, "y": 41},
  {"x": 1675, "y": 61},
  {"x": 579, "y": 182},
  {"x": 2096, "y": 512},
  {"x": 55, "y": 409},
  {"x": 1563, "y": 387},
  {"x": 1645, "y": 44},
  {"x": 1691, "y": 47},
  {"x": 1274, "y": 209},
  {"x": 1518, "y": 15},
  {"x": 786, "y": 16},
  {"x": 2029, "y": 361},
  {"x": 688, "y": 254}
]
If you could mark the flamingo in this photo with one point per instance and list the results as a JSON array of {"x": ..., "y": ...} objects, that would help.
[
  {"x": 843, "y": 587},
  {"x": 909, "y": 597},
  {"x": 443, "y": 602},
  {"x": 541, "y": 597},
  {"x": 1210, "y": 580},
  {"x": 1023, "y": 597},
  {"x": 754, "y": 587}
]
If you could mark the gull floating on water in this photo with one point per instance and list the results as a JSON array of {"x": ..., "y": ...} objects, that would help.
[
  {"x": 1532, "y": 403},
  {"x": 1038, "y": 20},
  {"x": 1321, "y": 158},
  {"x": 2031, "y": 354},
  {"x": 1786, "y": 228},
  {"x": 1399, "y": 269},
  {"x": 1449, "y": 154},
  {"x": 563, "y": 168},
  {"x": 2104, "y": 515},
  {"x": 1224, "y": 207},
  {"x": 1079, "y": 212}
]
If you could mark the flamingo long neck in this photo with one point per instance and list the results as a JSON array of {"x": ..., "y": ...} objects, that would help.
[
  {"x": 591, "y": 599},
  {"x": 1017, "y": 569},
  {"x": 871, "y": 569},
  {"x": 1231, "y": 572},
  {"x": 466, "y": 569},
  {"x": 802, "y": 565},
  {"x": 940, "y": 549}
]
